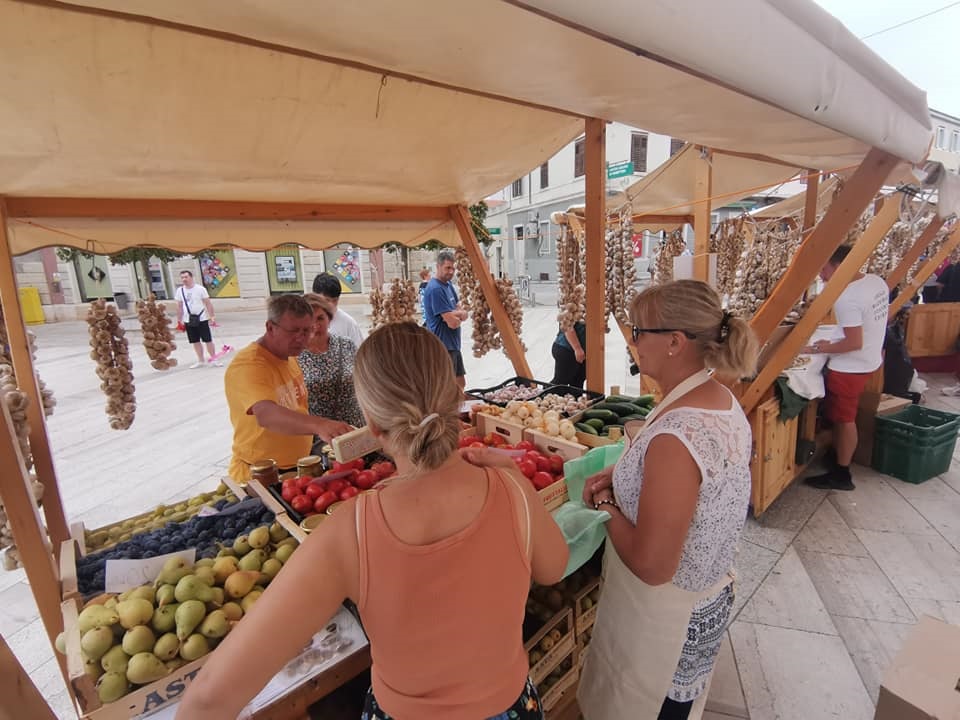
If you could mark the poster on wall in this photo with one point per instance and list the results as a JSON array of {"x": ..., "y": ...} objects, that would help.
[
  {"x": 345, "y": 264},
  {"x": 218, "y": 272},
  {"x": 283, "y": 269}
]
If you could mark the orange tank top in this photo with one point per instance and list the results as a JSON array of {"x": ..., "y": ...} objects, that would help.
[{"x": 445, "y": 619}]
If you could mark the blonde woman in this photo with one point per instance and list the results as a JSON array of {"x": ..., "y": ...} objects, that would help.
[
  {"x": 439, "y": 563},
  {"x": 678, "y": 501}
]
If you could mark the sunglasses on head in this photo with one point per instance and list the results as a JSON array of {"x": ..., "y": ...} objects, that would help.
[{"x": 637, "y": 332}]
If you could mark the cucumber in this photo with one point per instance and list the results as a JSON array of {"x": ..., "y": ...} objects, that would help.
[
  {"x": 619, "y": 408},
  {"x": 606, "y": 428},
  {"x": 617, "y": 399},
  {"x": 604, "y": 414},
  {"x": 595, "y": 423},
  {"x": 647, "y": 400},
  {"x": 584, "y": 428},
  {"x": 628, "y": 418}
]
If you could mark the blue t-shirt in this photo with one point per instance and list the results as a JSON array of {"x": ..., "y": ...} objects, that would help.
[{"x": 441, "y": 298}]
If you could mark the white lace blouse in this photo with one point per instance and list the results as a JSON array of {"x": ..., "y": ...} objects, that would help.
[{"x": 719, "y": 441}]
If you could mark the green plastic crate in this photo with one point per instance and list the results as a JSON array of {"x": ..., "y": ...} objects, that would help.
[{"x": 915, "y": 444}]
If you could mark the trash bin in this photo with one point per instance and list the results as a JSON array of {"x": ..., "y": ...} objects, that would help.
[
  {"x": 122, "y": 300},
  {"x": 30, "y": 306}
]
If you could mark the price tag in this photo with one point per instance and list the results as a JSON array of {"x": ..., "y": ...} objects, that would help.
[{"x": 122, "y": 575}]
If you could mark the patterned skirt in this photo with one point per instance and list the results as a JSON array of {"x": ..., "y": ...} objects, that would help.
[
  {"x": 708, "y": 621},
  {"x": 527, "y": 707}
]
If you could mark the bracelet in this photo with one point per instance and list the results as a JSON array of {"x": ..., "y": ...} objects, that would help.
[{"x": 596, "y": 505}]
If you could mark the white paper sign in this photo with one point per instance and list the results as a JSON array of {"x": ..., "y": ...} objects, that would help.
[{"x": 122, "y": 575}]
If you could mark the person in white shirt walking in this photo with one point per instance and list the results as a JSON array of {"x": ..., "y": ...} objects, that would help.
[
  {"x": 194, "y": 314},
  {"x": 861, "y": 311},
  {"x": 328, "y": 285}
]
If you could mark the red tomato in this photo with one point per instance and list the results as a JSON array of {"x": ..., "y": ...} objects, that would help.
[
  {"x": 534, "y": 454},
  {"x": 290, "y": 482},
  {"x": 542, "y": 479},
  {"x": 525, "y": 445},
  {"x": 288, "y": 493},
  {"x": 325, "y": 501},
  {"x": 322, "y": 484},
  {"x": 367, "y": 479},
  {"x": 352, "y": 477},
  {"x": 337, "y": 485},
  {"x": 527, "y": 467},
  {"x": 303, "y": 481},
  {"x": 301, "y": 503},
  {"x": 313, "y": 491},
  {"x": 466, "y": 440},
  {"x": 476, "y": 444},
  {"x": 494, "y": 439},
  {"x": 339, "y": 466},
  {"x": 556, "y": 464},
  {"x": 543, "y": 464},
  {"x": 357, "y": 464},
  {"x": 384, "y": 469},
  {"x": 348, "y": 493}
]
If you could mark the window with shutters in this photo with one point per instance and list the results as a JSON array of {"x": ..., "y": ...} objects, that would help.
[
  {"x": 518, "y": 188},
  {"x": 545, "y": 176},
  {"x": 638, "y": 152},
  {"x": 941, "y": 137}
]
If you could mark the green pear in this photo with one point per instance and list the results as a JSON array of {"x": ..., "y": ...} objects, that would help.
[
  {"x": 166, "y": 594},
  {"x": 292, "y": 541},
  {"x": 284, "y": 552},
  {"x": 175, "y": 664},
  {"x": 61, "y": 643},
  {"x": 271, "y": 567},
  {"x": 144, "y": 668},
  {"x": 278, "y": 532},
  {"x": 205, "y": 575},
  {"x": 145, "y": 592},
  {"x": 112, "y": 686},
  {"x": 138, "y": 640},
  {"x": 249, "y": 600},
  {"x": 189, "y": 615},
  {"x": 241, "y": 545},
  {"x": 203, "y": 562},
  {"x": 233, "y": 611},
  {"x": 259, "y": 537},
  {"x": 93, "y": 668},
  {"x": 253, "y": 560},
  {"x": 223, "y": 567},
  {"x": 111, "y": 603},
  {"x": 227, "y": 552},
  {"x": 196, "y": 646},
  {"x": 94, "y": 616},
  {"x": 164, "y": 618},
  {"x": 240, "y": 583},
  {"x": 167, "y": 647},
  {"x": 115, "y": 660},
  {"x": 190, "y": 587},
  {"x": 218, "y": 599},
  {"x": 215, "y": 625},
  {"x": 135, "y": 612},
  {"x": 96, "y": 642},
  {"x": 173, "y": 569}
]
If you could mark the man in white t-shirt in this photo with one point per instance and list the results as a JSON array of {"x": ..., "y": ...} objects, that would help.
[
  {"x": 328, "y": 285},
  {"x": 861, "y": 312},
  {"x": 194, "y": 314}
]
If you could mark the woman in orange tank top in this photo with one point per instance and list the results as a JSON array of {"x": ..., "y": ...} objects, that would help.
[{"x": 439, "y": 563}]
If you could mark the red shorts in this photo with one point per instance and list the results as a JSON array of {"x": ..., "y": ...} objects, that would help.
[{"x": 843, "y": 395}]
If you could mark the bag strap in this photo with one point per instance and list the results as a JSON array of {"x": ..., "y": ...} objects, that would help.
[
  {"x": 186, "y": 304},
  {"x": 525, "y": 530}
]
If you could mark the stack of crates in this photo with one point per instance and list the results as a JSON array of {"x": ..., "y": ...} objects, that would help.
[{"x": 915, "y": 444}]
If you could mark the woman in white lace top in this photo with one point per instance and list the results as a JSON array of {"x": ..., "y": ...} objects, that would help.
[{"x": 678, "y": 501}]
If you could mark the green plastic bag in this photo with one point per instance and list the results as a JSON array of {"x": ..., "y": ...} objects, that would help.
[{"x": 576, "y": 472}]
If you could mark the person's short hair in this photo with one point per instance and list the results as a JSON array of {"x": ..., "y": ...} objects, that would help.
[
  {"x": 186, "y": 272},
  {"x": 425, "y": 274},
  {"x": 280, "y": 305},
  {"x": 320, "y": 302},
  {"x": 840, "y": 254},
  {"x": 328, "y": 285},
  {"x": 446, "y": 255}
]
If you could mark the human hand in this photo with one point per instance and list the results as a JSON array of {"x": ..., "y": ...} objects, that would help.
[
  {"x": 486, "y": 457},
  {"x": 816, "y": 348},
  {"x": 214, "y": 323},
  {"x": 596, "y": 484},
  {"x": 327, "y": 429},
  {"x": 180, "y": 327},
  {"x": 580, "y": 355},
  {"x": 605, "y": 494}
]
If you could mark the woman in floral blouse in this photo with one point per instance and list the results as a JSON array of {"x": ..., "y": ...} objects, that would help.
[{"x": 327, "y": 365}]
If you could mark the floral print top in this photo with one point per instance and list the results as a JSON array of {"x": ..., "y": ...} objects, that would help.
[{"x": 329, "y": 380}]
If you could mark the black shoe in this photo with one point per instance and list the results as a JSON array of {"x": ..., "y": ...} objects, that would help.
[{"x": 830, "y": 481}]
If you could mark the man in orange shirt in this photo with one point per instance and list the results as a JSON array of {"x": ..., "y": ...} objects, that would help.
[{"x": 266, "y": 396}]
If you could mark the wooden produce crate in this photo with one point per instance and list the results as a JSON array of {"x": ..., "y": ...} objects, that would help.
[
  {"x": 554, "y": 495},
  {"x": 585, "y": 613},
  {"x": 561, "y": 636},
  {"x": 490, "y": 424},
  {"x": 592, "y": 441},
  {"x": 567, "y": 449},
  {"x": 561, "y": 691}
]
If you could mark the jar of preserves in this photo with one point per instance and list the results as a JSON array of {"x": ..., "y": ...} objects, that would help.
[
  {"x": 265, "y": 472},
  {"x": 311, "y": 465}
]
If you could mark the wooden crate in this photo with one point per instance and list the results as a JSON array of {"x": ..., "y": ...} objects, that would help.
[
  {"x": 561, "y": 691},
  {"x": 562, "y": 647},
  {"x": 554, "y": 495},
  {"x": 490, "y": 424},
  {"x": 592, "y": 441},
  {"x": 585, "y": 617},
  {"x": 567, "y": 449}
]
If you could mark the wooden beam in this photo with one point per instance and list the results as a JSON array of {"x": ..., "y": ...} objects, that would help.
[
  {"x": 21, "y": 698},
  {"x": 810, "y": 202},
  {"x": 913, "y": 254},
  {"x": 758, "y": 158},
  {"x": 595, "y": 151},
  {"x": 651, "y": 219},
  {"x": 928, "y": 268},
  {"x": 794, "y": 342},
  {"x": 819, "y": 245},
  {"x": 702, "y": 192},
  {"x": 26, "y": 376},
  {"x": 511, "y": 342},
  {"x": 148, "y": 209}
]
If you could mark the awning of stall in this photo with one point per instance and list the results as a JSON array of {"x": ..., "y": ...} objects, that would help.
[{"x": 794, "y": 205}]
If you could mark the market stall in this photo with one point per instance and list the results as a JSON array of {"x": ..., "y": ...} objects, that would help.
[{"x": 324, "y": 128}]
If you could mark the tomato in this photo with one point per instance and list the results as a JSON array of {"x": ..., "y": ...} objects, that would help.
[
  {"x": 348, "y": 493},
  {"x": 494, "y": 439},
  {"x": 325, "y": 501},
  {"x": 339, "y": 466},
  {"x": 322, "y": 484},
  {"x": 313, "y": 491},
  {"x": 534, "y": 454},
  {"x": 301, "y": 504},
  {"x": 542, "y": 479},
  {"x": 367, "y": 479},
  {"x": 303, "y": 481},
  {"x": 543, "y": 464},
  {"x": 384, "y": 469},
  {"x": 556, "y": 464},
  {"x": 466, "y": 440},
  {"x": 527, "y": 467},
  {"x": 357, "y": 465},
  {"x": 290, "y": 492},
  {"x": 352, "y": 477},
  {"x": 476, "y": 444},
  {"x": 525, "y": 445},
  {"x": 290, "y": 482},
  {"x": 335, "y": 486}
]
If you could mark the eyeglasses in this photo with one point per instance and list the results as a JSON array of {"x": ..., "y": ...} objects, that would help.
[
  {"x": 637, "y": 332},
  {"x": 304, "y": 332}
]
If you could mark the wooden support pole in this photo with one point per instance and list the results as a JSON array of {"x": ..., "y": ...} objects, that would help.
[
  {"x": 26, "y": 376},
  {"x": 929, "y": 267},
  {"x": 913, "y": 254},
  {"x": 595, "y": 151},
  {"x": 819, "y": 245},
  {"x": 676, "y": 220},
  {"x": 702, "y": 192},
  {"x": 822, "y": 304},
  {"x": 21, "y": 698},
  {"x": 511, "y": 342}
]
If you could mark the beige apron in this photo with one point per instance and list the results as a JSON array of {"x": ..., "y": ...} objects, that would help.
[{"x": 639, "y": 632}]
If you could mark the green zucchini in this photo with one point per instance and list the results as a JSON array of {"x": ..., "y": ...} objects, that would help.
[
  {"x": 647, "y": 400},
  {"x": 604, "y": 414},
  {"x": 595, "y": 423},
  {"x": 617, "y": 399},
  {"x": 619, "y": 408},
  {"x": 628, "y": 418},
  {"x": 584, "y": 428}
]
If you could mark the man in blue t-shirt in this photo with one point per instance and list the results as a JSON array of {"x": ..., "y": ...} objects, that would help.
[{"x": 443, "y": 314}]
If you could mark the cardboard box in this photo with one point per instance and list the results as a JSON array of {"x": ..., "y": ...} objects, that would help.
[
  {"x": 923, "y": 682},
  {"x": 871, "y": 405}
]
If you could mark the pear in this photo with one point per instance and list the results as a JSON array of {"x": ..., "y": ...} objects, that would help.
[
  {"x": 253, "y": 560},
  {"x": 203, "y": 562},
  {"x": 191, "y": 587},
  {"x": 93, "y": 668},
  {"x": 95, "y": 616},
  {"x": 284, "y": 552},
  {"x": 145, "y": 667},
  {"x": 173, "y": 569},
  {"x": 271, "y": 567},
  {"x": 259, "y": 537},
  {"x": 167, "y": 647},
  {"x": 164, "y": 618},
  {"x": 205, "y": 575},
  {"x": 241, "y": 545},
  {"x": 249, "y": 600},
  {"x": 218, "y": 599},
  {"x": 135, "y": 612},
  {"x": 215, "y": 625},
  {"x": 145, "y": 592},
  {"x": 291, "y": 541},
  {"x": 189, "y": 615},
  {"x": 138, "y": 640},
  {"x": 115, "y": 660},
  {"x": 112, "y": 686},
  {"x": 111, "y": 603},
  {"x": 240, "y": 583},
  {"x": 175, "y": 664},
  {"x": 223, "y": 567},
  {"x": 61, "y": 643},
  {"x": 96, "y": 642},
  {"x": 125, "y": 595},
  {"x": 166, "y": 594},
  {"x": 278, "y": 532},
  {"x": 233, "y": 611},
  {"x": 196, "y": 646},
  {"x": 227, "y": 552}
]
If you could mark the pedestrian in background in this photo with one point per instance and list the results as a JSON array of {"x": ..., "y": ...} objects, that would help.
[
  {"x": 194, "y": 314},
  {"x": 443, "y": 314},
  {"x": 328, "y": 285},
  {"x": 569, "y": 355}
]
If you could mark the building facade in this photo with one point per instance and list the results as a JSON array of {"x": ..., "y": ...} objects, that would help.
[{"x": 946, "y": 140}]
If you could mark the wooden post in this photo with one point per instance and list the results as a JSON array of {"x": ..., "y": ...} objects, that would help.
[
  {"x": 702, "y": 192},
  {"x": 511, "y": 342},
  {"x": 21, "y": 699},
  {"x": 595, "y": 151},
  {"x": 913, "y": 254},
  {"x": 810, "y": 202},
  {"x": 27, "y": 382},
  {"x": 822, "y": 304},
  {"x": 925, "y": 272},
  {"x": 825, "y": 238}
]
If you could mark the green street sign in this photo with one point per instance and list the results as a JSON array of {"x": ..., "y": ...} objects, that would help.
[
  {"x": 619, "y": 169},
  {"x": 493, "y": 231}
]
